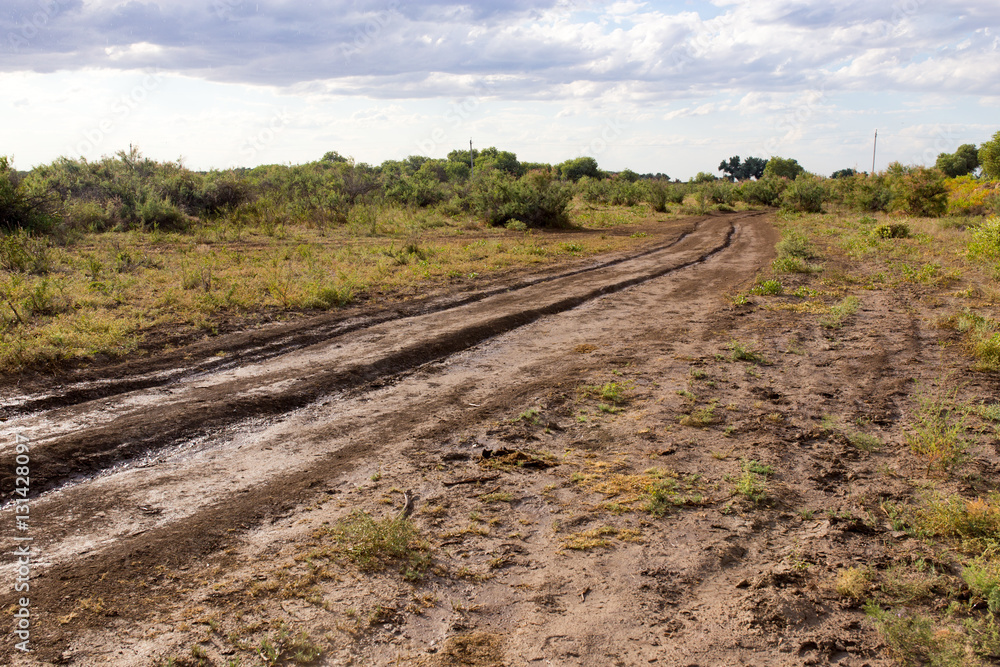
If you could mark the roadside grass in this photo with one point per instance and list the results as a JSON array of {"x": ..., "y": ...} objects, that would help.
[
  {"x": 375, "y": 544},
  {"x": 100, "y": 295},
  {"x": 655, "y": 491},
  {"x": 938, "y": 435}
]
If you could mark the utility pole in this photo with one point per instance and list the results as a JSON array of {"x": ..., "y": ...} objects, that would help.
[
  {"x": 874, "y": 148},
  {"x": 472, "y": 158}
]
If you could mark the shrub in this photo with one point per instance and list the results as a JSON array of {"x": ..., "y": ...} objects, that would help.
[
  {"x": 971, "y": 196},
  {"x": 894, "y": 230},
  {"x": 795, "y": 244},
  {"x": 719, "y": 192},
  {"x": 535, "y": 199},
  {"x": 918, "y": 191},
  {"x": 20, "y": 207},
  {"x": 869, "y": 194},
  {"x": 989, "y": 157},
  {"x": 765, "y": 192},
  {"x": 784, "y": 168},
  {"x": 984, "y": 240},
  {"x": 806, "y": 193}
]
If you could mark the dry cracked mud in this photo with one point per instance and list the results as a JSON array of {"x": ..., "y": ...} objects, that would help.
[{"x": 565, "y": 449}]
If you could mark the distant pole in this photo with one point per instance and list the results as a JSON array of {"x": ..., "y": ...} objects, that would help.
[
  {"x": 874, "y": 148},
  {"x": 472, "y": 158}
]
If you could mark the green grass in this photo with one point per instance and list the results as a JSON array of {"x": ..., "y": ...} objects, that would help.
[
  {"x": 375, "y": 544},
  {"x": 938, "y": 435},
  {"x": 615, "y": 393},
  {"x": 741, "y": 352},
  {"x": 840, "y": 311}
]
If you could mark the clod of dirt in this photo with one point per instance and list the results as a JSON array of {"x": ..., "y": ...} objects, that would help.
[{"x": 514, "y": 458}]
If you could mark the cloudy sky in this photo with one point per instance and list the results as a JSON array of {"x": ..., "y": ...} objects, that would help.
[{"x": 670, "y": 87}]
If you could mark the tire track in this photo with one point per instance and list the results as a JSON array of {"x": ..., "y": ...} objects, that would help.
[{"x": 401, "y": 346}]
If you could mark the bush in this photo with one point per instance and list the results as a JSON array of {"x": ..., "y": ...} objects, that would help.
[
  {"x": 971, "y": 196},
  {"x": 20, "y": 208},
  {"x": 984, "y": 240},
  {"x": 535, "y": 199},
  {"x": 868, "y": 194},
  {"x": 894, "y": 230},
  {"x": 918, "y": 191},
  {"x": 765, "y": 192},
  {"x": 783, "y": 168},
  {"x": 989, "y": 157},
  {"x": 806, "y": 194}
]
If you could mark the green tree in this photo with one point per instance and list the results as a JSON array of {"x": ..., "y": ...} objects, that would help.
[
  {"x": 491, "y": 158},
  {"x": 784, "y": 168},
  {"x": 752, "y": 167},
  {"x": 844, "y": 173},
  {"x": 963, "y": 161},
  {"x": 577, "y": 168},
  {"x": 333, "y": 157},
  {"x": 989, "y": 157}
]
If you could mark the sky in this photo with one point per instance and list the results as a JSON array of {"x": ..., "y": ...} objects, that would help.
[{"x": 672, "y": 87}]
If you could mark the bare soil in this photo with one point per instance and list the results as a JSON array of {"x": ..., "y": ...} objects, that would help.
[{"x": 184, "y": 506}]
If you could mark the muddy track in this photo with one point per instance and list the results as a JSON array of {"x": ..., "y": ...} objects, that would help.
[
  {"x": 218, "y": 458},
  {"x": 196, "y": 407},
  {"x": 250, "y": 347}
]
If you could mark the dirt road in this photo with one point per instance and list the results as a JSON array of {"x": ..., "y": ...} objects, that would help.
[{"x": 186, "y": 515}]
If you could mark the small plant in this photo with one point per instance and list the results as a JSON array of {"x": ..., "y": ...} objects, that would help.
[
  {"x": 853, "y": 582},
  {"x": 938, "y": 436},
  {"x": 530, "y": 416},
  {"x": 702, "y": 417},
  {"x": 864, "y": 441},
  {"x": 372, "y": 544},
  {"x": 895, "y": 230},
  {"x": 740, "y": 352},
  {"x": 767, "y": 288},
  {"x": 615, "y": 393},
  {"x": 751, "y": 487},
  {"x": 840, "y": 312}
]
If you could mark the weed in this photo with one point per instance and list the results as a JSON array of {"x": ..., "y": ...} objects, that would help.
[
  {"x": 589, "y": 539},
  {"x": 740, "y": 352},
  {"x": 615, "y": 393},
  {"x": 756, "y": 467},
  {"x": 983, "y": 579},
  {"x": 938, "y": 436},
  {"x": 916, "y": 639},
  {"x": 530, "y": 416},
  {"x": 864, "y": 441},
  {"x": 840, "y": 312},
  {"x": 974, "y": 523},
  {"x": 702, "y": 417},
  {"x": 751, "y": 487},
  {"x": 767, "y": 288},
  {"x": 372, "y": 544}
]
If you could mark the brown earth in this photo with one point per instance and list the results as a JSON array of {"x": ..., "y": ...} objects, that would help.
[{"x": 188, "y": 511}]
